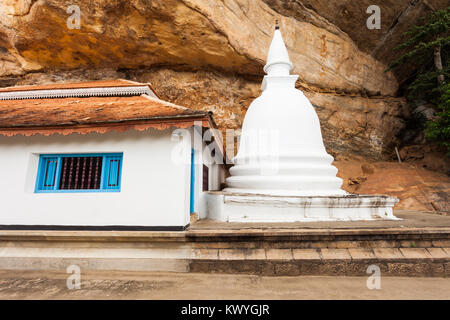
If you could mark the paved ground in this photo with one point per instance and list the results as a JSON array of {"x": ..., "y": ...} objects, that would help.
[{"x": 110, "y": 285}]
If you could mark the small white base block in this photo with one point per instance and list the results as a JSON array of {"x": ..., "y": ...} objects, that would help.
[{"x": 237, "y": 207}]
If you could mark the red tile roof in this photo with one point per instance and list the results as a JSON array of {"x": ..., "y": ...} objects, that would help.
[
  {"x": 71, "y": 111},
  {"x": 86, "y": 114},
  {"x": 76, "y": 85}
]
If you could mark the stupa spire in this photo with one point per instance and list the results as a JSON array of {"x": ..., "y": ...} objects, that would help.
[
  {"x": 292, "y": 159},
  {"x": 278, "y": 62}
]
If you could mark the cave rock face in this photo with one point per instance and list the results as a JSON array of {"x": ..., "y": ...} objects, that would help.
[{"x": 210, "y": 55}]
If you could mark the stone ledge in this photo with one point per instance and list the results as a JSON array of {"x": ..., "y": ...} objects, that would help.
[
  {"x": 378, "y": 254},
  {"x": 95, "y": 236},
  {"x": 310, "y": 234},
  {"x": 402, "y": 267},
  {"x": 412, "y": 220}
]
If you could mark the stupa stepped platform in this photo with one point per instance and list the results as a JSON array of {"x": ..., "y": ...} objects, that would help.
[
  {"x": 417, "y": 245},
  {"x": 246, "y": 207}
]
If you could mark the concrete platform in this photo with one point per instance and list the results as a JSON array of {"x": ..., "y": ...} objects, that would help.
[
  {"x": 409, "y": 219},
  {"x": 419, "y": 245},
  {"x": 227, "y": 206}
]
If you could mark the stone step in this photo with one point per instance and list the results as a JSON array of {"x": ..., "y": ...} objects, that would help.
[
  {"x": 301, "y": 239},
  {"x": 321, "y": 254},
  {"x": 434, "y": 262},
  {"x": 410, "y": 249},
  {"x": 179, "y": 257}
]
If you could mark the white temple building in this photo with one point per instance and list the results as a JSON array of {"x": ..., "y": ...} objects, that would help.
[
  {"x": 101, "y": 155},
  {"x": 282, "y": 172}
]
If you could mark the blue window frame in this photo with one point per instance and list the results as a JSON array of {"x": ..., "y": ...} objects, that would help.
[{"x": 79, "y": 173}]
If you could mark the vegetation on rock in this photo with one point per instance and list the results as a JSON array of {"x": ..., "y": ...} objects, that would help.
[
  {"x": 428, "y": 49},
  {"x": 439, "y": 129}
]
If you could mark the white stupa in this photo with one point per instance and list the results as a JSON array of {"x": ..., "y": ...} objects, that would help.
[
  {"x": 282, "y": 172},
  {"x": 281, "y": 150}
]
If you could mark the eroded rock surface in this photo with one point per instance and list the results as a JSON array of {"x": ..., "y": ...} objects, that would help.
[
  {"x": 220, "y": 48},
  {"x": 349, "y": 17},
  {"x": 416, "y": 187}
]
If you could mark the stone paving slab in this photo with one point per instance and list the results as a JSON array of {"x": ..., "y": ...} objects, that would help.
[
  {"x": 335, "y": 254},
  {"x": 255, "y": 254},
  {"x": 361, "y": 253},
  {"x": 415, "y": 253},
  {"x": 231, "y": 254},
  {"x": 388, "y": 253},
  {"x": 209, "y": 254},
  {"x": 438, "y": 253},
  {"x": 306, "y": 254},
  {"x": 279, "y": 254}
]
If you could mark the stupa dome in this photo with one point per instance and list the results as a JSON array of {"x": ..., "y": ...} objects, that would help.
[{"x": 281, "y": 150}]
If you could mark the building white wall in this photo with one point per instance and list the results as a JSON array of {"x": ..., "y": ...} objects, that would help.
[
  {"x": 215, "y": 166},
  {"x": 154, "y": 190}
]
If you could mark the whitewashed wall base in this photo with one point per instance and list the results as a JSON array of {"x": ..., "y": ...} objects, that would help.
[{"x": 235, "y": 207}]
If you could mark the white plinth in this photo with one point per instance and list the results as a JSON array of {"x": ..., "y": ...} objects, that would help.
[{"x": 236, "y": 207}]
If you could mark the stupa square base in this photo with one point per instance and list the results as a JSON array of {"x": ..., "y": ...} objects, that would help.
[{"x": 237, "y": 207}]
